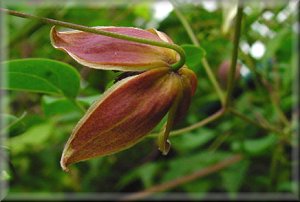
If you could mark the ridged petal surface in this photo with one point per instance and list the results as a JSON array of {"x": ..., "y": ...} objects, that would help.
[
  {"x": 122, "y": 116},
  {"x": 102, "y": 52}
]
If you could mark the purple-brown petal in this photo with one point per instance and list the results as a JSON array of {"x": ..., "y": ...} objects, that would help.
[
  {"x": 102, "y": 52},
  {"x": 189, "y": 84},
  {"x": 190, "y": 77},
  {"x": 164, "y": 144},
  {"x": 123, "y": 116},
  {"x": 171, "y": 54}
]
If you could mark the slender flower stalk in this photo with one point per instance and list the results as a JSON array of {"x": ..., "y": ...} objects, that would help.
[
  {"x": 204, "y": 61},
  {"x": 236, "y": 39},
  {"x": 174, "y": 47}
]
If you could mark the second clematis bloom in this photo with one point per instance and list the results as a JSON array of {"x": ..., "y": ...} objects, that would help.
[{"x": 133, "y": 106}]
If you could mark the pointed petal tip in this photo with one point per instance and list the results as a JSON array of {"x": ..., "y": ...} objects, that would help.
[
  {"x": 163, "y": 36},
  {"x": 65, "y": 157},
  {"x": 123, "y": 116},
  {"x": 64, "y": 165},
  {"x": 53, "y": 36},
  {"x": 102, "y": 52}
]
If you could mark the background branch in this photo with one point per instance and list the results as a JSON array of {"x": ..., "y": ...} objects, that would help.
[
  {"x": 245, "y": 118},
  {"x": 234, "y": 58},
  {"x": 184, "y": 179},
  {"x": 205, "y": 121}
]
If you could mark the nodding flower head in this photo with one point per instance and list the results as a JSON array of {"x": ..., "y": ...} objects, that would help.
[{"x": 133, "y": 106}]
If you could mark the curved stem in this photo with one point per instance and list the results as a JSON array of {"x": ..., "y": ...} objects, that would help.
[
  {"x": 184, "y": 179},
  {"x": 213, "y": 80},
  {"x": 186, "y": 25},
  {"x": 174, "y": 47},
  {"x": 163, "y": 142},
  {"x": 209, "y": 119},
  {"x": 245, "y": 118},
  {"x": 204, "y": 62},
  {"x": 203, "y": 122}
]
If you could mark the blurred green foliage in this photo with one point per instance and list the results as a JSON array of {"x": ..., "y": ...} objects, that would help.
[{"x": 43, "y": 93}]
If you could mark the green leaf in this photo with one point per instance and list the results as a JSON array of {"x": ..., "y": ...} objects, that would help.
[
  {"x": 42, "y": 75},
  {"x": 194, "y": 55},
  {"x": 143, "y": 10},
  {"x": 191, "y": 163},
  {"x": 192, "y": 140},
  {"x": 233, "y": 176},
  {"x": 35, "y": 138},
  {"x": 89, "y": 100},
  {"x": 286, "y": 186},
  {"x": 28, "y": 82},
  {"x": 55, "y": 106},
  {"x": 146, "y": 173},
  {"x": 275, "y": 44},
  {"x": 257, "y": 146},
  {"x": 197, "y": 189}
]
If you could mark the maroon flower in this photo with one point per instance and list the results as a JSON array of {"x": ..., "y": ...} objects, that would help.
[{"x": 132, "y": 107}]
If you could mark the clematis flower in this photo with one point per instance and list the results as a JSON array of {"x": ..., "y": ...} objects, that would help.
[{"x": 133, "y": 106}]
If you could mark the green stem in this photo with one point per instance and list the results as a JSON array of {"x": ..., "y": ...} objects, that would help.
[
  {"x": 204, "y": 62},
  {"x": 27, "y": 29},
  {"x": 4, "y": 129},
  {"x": 174, "y": 47},
  {"x": 256, "y": 76},
  {"x": 274, "y": 99},
  {"x": 209, "y": 119},
  {"x": 277, "y": 152},
  {"x": 245, "y": 118},
  {"x": 234, "y": 58},
  {"x": 213, "y": 80},
  {"x": 205, "y": 121},
  {"x": 186, "y": 25},
  {"x": 218, "y": 142},
  {"x": 163, "y": 142},
  {"x": 259, "y": 83}
]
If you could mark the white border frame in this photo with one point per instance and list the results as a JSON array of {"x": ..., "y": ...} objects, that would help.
[{"x": 57, "y": 196}]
